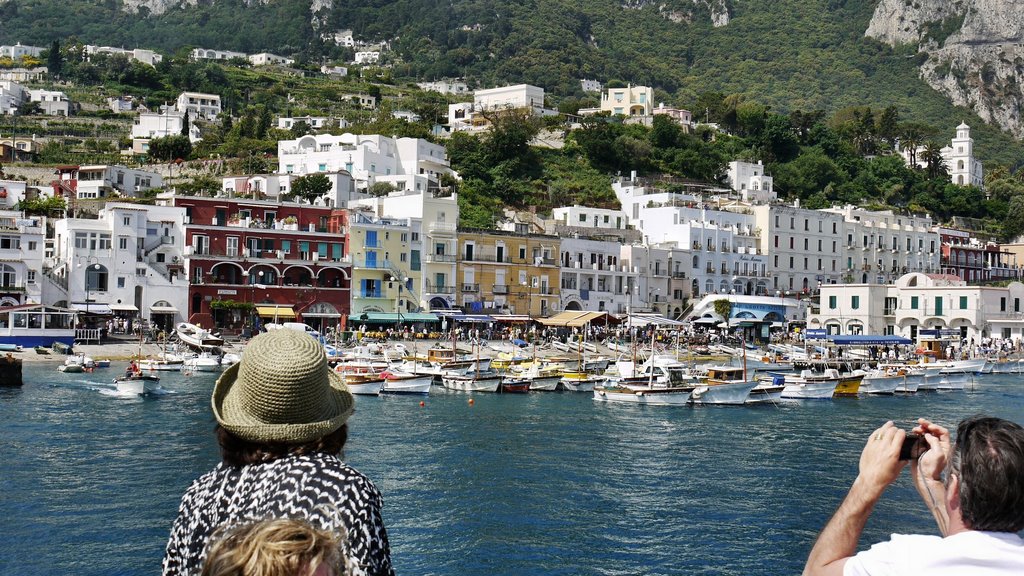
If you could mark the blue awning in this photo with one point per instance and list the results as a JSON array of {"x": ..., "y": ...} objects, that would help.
[
  {"x": 473, "y": 318},
  {"x": 868, "y": 340}
]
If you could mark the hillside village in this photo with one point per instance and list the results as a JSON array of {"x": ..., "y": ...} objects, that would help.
[{"x": 344, "y": 229}]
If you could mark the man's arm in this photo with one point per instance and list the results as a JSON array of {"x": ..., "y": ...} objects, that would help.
[
  {"x": 927, "y": 471},
  {"x": 879, "y": 467}
]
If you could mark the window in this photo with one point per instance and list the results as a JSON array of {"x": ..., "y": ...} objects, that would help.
[
  {"x": 913, "y": 302},
  {"x": 1002, "y": 304},
  {"x": 583, "y": 217},
  {"x": 8, "y": 277},
  {"x": 855, "y": 302},
  {"x": 1016, "y": 304},
  {"x": 122, "y": 243},
  {"x": 127, "y": 219},
  {"x": 120, "y": 281},
  {"x": 832, "y": 301},
  {"x": 963, "y": 302},
  {"x": 31, "y": 276},
  {"x": 10, "y": 242},
  {"x": 32, "y": 246}
]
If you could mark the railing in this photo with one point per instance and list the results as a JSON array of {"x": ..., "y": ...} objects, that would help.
[
  {"x": 470, "y": 287},
  {"x": 679, "y": 274},
  {"x": 374, "y": 265},
  {"x": 441, "y": 227},
  {"x": 436, "y": 258},
  {"x": 438, "y": 289},
  {"x": 499, "y": 289},
  {"x": 478, "y": 257},
  {"x": 369, "y": 294},
  {"x": 87, "y": 335}
]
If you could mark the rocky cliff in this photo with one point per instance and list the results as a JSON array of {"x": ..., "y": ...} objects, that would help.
[{"x": 972, "y": 51}]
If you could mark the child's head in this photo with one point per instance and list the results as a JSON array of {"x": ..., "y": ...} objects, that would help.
[{"x": 280, "y": 547}]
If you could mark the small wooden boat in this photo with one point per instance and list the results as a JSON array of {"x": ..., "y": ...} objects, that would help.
[
  {"x": 42, "y": 350},
  {"x": 405, "y": 383},
  {"x": 71, "y": 368},
  {"x": 514, "y": 385},
  {"x": 141, "y": 384}
]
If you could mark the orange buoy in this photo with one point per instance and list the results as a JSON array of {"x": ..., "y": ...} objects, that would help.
[
  {"x": 422, "y": 403},
  {"x": 470, "y": 401}
]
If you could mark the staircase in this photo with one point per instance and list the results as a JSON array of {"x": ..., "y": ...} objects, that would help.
[
  {"x": 55, "y": 279},
  {"x": 410, "y": 292}
]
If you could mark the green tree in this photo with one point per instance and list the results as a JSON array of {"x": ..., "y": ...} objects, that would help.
[
  {"x": 170, "y": 148},
  {"x": 379, "y": 189},
  {"x": 311, "y": 186},
  {"x": 54, "y": 60},
  {"x": 185, "y": 124}
]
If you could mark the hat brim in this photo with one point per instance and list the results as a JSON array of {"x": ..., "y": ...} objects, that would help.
[{"x": 241, "y": 423}]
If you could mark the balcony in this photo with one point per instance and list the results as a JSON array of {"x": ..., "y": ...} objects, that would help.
[
  {"x": 439, "y": 289},
  {"x": 441, "y": 228},
  {"x": 679, "y": 275},
  {"x": 373, "y": 264},
  {"x": 470, "y": 288},
  {"x": 499, "y": 289},
  {"x": 439, "y": 258},
  {"x": 369, "y": 294},
  {"x": 483, "y": 257}
]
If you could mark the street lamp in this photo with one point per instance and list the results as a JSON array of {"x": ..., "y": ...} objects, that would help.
[
  {"x": 91, "y": 263},
  {"x": 398, "y": 303},
  {"x": 529, "y": 299}
]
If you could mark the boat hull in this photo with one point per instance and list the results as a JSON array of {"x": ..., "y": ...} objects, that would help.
[
  {"x": 848, "y": 386},
  {"x": 140, "y": 385},
  {"x": 366, "y": 388},
  {"x": 885, "y": 385},
  {"x": 809, "y": 390},
  {"x": 650, "y": 397},
  {"x": 579, "y": 385},
  {"x": 765, "y": 394},
  {"x": 462, "y": 383},
  {"x": 415, "y": 385},
  {"x": 732, "y": 393}
]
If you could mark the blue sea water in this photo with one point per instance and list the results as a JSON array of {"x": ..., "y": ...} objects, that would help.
[{"x": 549, "y": 483}]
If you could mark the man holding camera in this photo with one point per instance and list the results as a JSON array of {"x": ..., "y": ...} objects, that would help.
[{"x": 974, "y": 488}]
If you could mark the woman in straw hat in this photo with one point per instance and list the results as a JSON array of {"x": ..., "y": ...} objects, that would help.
[{"x": 281, "y": 415}]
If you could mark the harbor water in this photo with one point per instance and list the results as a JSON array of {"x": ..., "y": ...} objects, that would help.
[{"x": 543, "y": 483}]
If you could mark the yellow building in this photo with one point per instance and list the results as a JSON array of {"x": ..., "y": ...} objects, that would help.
[
  {"x": 385, "y": 275},
  {"x": 507, "y": 272}
]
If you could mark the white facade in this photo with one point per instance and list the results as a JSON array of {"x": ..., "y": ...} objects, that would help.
[
  {"x": 138, "y": 54},
  {"x": 23, "y": 74},
  {"x": 345, "y": 38},
  {"x": 314, "y": 122},
  {"x": 367, "y": 57},
  {"x": 17, "y": 51},
  {"x": 22, "y": 244},
  {"x": 11, "y": 192},
  {"x": 804, "y": 247},
  {"x": 406, "y": 163},
  {"x": 648, "y": 276},
  {"x": 590, "y": 85},
  {"x": 917, "y": 302},
  {"x": 268, "y": 59},
  {"x": 162, "y": 124},
  {"x": 205, "y": 54},
  {"x": 586, "y": 217},
  {"x": 274, "y": 186},
  {"x": 593, "y": 279},
  {"x": 881, "y": 246},
  {"x": 467, "y": 116},
  {"x": 751, "y": 181},
  {"x": 51, "y": 102},
  {"x": 628, "y": 101},
  {"x": 445, "y": 86},
  {"x": 964, "y": 169},
  {"x": 12, "y": 95},
  {"x": 338, "y": 71},
  {"x": 198, "y": 105},
  {"x": 101, "y": 181},
  {"x": 130, "y": 259},
  {"x": 121, "y": 104},
  {"x": 680, "y": 115}
]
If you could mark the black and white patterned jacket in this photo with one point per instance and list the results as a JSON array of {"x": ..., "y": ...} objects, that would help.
[{"x": 318, "y": 488}]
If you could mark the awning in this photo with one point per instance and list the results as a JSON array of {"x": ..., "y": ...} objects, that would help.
[
  {"x": 163, "y": 309},
  {"x": 98, "y": 308},
  {"x": 511, "y": 318},
  {"x": 473, "y": 318},
  {"x": 275, "y": 311},
  {"x": 393, "y": 317},
  {"x": 574, "y": 319},
  {"x": 643, "y": 320},
  {"x": 123, "y": 308},
  {"x": 868, "y": 340},
  {"x": 706, "y": 320},
  {"x": 321, "y": 315}
]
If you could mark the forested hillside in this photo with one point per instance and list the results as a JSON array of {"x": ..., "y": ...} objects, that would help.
[{"x": 788, "y": 54}]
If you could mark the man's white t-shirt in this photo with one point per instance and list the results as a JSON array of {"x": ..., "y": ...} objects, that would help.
[{"x": 970, "y": 553}]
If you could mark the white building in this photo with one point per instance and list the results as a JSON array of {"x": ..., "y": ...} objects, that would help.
[
  {"x": 445, "y": 86},
  {"x": 755, "y": 316},
  {"x": 406, "y": 163},
  {"x": 345, "y": 38},
  {"x": 881, "y": 246},
  {"x": 433, "y": 241},
  {"x": 51, "y": 102},
  {"x": 367, "y": 57},
  {"x": 12, "y": 95},
  {"x": 917, "y": 302},
  {"x": 206, "y": 54},
  {"x": 593, "y": 279},
  {"x": 751, "y": 181},
  {"x": 11, "y": 193},
  {"x": 268, "y": 59},
  {"x": 103, "y": 181},
  {"x": 587, "y": 217},
  {"x": 138, "y": 54},
  {"x": 314, "y": 122},
  {"x": 964, "y": 169},
  {"x": 199, "y": 105},
  {"x": 468, "y": 116},
  {"x": 682, "y": 116},
  {"x": 590, "y": 85},
  {"x": 336, "y": 71},
  {"x": 127, "y": 263},
  {"x": 121, "y": 104},
  {"x": 149, "y": 125},
  {"x": 23, "y": 74},
  {"x": 804, "y": 247},
  {"x": 648, "y": 276},
  {"x": 274, "y": 186},
  {"x": 17, "y": 51},
  {"x": 22, "y": 242}
]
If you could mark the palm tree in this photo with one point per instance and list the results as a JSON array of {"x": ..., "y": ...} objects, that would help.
[
  {"x": 910, "y": 142},
  {"x": 935, "y": 164}
]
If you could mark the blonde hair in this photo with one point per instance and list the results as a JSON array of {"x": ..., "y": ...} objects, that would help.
[{"x": 279, "y": 547}]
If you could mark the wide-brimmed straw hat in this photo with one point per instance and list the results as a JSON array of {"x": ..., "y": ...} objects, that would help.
[{"x": 282, "y": 391}]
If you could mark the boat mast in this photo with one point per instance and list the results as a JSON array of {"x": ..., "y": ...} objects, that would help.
[{"x": 650, "y": 378}]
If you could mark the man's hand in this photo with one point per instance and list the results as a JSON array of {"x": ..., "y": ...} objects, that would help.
[
  {"x": 880, "y": 463},
  {"x": 927, "y": 471}
]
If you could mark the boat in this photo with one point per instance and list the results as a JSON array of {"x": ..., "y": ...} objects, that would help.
[
  {"x": 542, "y": 377},
  {"x": 482, "y": 381},
  {"x": 203, "y": 363},
  {"x": 767, "y": 390},
  {"x": 230, "y": 359},
  {"x": 881, "y": 381},
  {"x": 104, "y": 363},
  {"x": 137, "y": 383},
  {"x": 514, "y": 386},
  {"x": 10, "y": 348},
  {"x": 71, "y": 368},
  {"x": 363, "y": 384},
  {"x": 579, "y": 381},
  {"x": 163, "y": 363},
  {"x": 849, "y": 384},
  {"x": 724, "y": 385},
  {"x": 808, "y": 385},
  {"x": 42, "y": 350},
  {"x": 396, "y": 382},
  {"x": 197, "y": 337},
  {"x": 632, "y": 392}
]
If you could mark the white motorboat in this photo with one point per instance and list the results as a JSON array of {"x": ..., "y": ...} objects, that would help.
[
  {"x": 881, "y": 381},
  {"x": 614, "y": 391},
  {"x": 363, "y": 384},
  {"x": 197, "y": 337},
  {"x": 950, "y": 379},
  {"x": 405, "y": 383},
  {"x": 163, "y": 363},
  {"x": 723, "y": 385},
  {"x": 483, "y": 381},
  {"x": 71, "y": 368},
  {"x": 82, "y": 360},
  {"x": 1006, "y": 366},
  {"x": 140, "y": 384},
  {"x": 810, "y": 386},
  {"x": 542, "y": 377},
  {"x": 230, "y": 359},
  {"x": 768, "y": 390},
  {"x": 203, "y": 363},
  {"x": 913, "y": 377}
]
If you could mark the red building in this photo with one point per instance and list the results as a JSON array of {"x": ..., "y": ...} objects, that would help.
[
  {"x": 974, "y": 261},
  {"x": 275, "y": 261}
]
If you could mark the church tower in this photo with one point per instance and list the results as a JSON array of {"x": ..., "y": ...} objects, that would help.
[{"x": 964, "y": 170}]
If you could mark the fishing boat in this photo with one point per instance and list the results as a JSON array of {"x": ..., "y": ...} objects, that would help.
[
  {"x": 137, "y": 383},
  {"x": 363, "y": 384},
  {"x": 542, "y": 376},
  {"x": 808, "y": 385},
  {"x": 514, "y": 385},
  {"x": 768, "y": 390},
  {"x": 164, "y": 362},
  {"x": 724, "y": 385},
  {"x": 474, "y": 379},
  {"x": 631, "y": 391},
  {"x": 396, "y": 382},
  {"x": 198, "y": 337},
  {"x": 881, "y": 381},
  {"x": 849, "y": 383}
]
